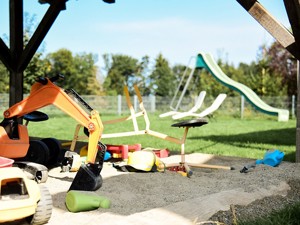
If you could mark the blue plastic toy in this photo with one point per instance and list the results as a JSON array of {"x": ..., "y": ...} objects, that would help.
[
  {"x": 107, "y": 156},
  {"x": 271, "y": 158}
]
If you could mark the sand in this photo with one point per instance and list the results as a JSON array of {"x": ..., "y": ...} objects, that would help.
[{"x": 170, "y": 198}]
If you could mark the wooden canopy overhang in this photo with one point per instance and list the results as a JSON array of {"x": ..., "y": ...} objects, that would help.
[{"x": 17, "y": 57}]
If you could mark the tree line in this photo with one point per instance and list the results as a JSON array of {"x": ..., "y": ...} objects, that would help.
[{"x": 273, "y": 73}]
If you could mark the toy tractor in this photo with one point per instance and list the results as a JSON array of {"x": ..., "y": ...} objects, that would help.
[{"x": 14, "y": 138}]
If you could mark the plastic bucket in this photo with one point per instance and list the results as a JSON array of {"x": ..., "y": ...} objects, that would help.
[{"x": 5, "y": 162}]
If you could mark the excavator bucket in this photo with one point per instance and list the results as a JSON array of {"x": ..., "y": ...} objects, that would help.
[{"x": 88, "y": 177}]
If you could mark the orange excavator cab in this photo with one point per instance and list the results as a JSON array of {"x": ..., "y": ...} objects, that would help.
[{"x": 14, "y": 138}]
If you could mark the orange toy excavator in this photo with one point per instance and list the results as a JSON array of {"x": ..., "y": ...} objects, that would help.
[{"x": 14, "y": 139}]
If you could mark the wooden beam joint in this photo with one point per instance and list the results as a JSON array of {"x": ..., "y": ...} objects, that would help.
[
  {"x": 40, "y": 33},
  {"x": 5, "y": 55},
  {"x": 276, "y": 29}
]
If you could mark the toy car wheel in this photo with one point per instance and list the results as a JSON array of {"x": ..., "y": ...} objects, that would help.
[
  {"x": 38, "y": 152},
  {"x": 44, "y": 208},
  {"x": 54, "y": 150}
]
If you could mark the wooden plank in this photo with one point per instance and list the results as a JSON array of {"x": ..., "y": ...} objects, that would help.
[{"x": 275, "y": 28}]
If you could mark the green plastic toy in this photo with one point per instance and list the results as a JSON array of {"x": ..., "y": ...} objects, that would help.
[{"x": 78, "y": 201}]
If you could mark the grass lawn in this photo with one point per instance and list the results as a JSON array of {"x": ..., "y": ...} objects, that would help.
[
  {"x": 249, "y": 137},
  {"x": 287, "y": 216}
]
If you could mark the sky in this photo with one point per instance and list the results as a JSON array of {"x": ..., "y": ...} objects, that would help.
[{"x": 178, "y": 29}]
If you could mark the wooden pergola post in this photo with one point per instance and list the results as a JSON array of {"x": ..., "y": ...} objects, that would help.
[
  {"x": 289, "y": 41},
  {"x": 298, "y": 115},
  {"x": 293, "y": 11},
  {"x": 16, "y": 47}
]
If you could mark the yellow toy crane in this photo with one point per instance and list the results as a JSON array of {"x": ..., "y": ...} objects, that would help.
[{"x": 14, "y": 138}]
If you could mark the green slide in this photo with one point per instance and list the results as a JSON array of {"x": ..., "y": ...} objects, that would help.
[{"x": 206, "y": 61}]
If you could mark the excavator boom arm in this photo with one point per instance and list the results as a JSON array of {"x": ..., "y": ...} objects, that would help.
[{"x": 44, "y": 94}]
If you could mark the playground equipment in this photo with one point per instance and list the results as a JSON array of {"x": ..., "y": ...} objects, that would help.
[
  {"x": 213, "y": 107},
  {"x": 183, "y": 165},
  {"x": 175, "y": 109},
  {"x": 207, "y": 62},
  {"x": 197, "y": 106},
  {"x": 21, "y": 197},
  {"x": 14, "y": 139}
]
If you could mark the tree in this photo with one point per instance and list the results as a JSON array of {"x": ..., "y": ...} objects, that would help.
[
  {"x": 61, "y": 62},
  {"x": 79, "y": 71},
  {"x": 123, "y": 70},
  {"x": 143, "y": 81},
  {"x": 163, "y": 81},
  {"x": 4, "y": 79},
  {"x": 249, "y": 75},
  {"x": 35, "y": 67},
  {"x": 86, "y": 71},
  {"x": 282, "y": 63}
]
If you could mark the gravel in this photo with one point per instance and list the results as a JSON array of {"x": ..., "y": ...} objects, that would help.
[
  {"x": 138, "y": 192},
  {"x": 260, "y": 208},
  {"x": 169, "y": 198}
]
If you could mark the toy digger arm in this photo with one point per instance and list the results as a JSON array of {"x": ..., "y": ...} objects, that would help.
[{"x": 44, "y": 93}]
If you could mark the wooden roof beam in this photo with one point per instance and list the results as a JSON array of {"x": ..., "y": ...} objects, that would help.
[
  {"x": 275, "y": 28},
  {"x": 5, "y": 55},
  {"x": 53, "y": 11}
]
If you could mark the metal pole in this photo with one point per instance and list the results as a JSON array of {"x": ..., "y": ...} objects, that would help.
[
  {"x": 153, "y": 103},
  {"x": 119, "y": 105},
  {"x": 242, "y": 106},
  {"x": 185, "y": 88},
  {"x": 135, "y": 103}
]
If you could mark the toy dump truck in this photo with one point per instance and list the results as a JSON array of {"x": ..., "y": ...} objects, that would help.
[{"x": 23, "y": 197}]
